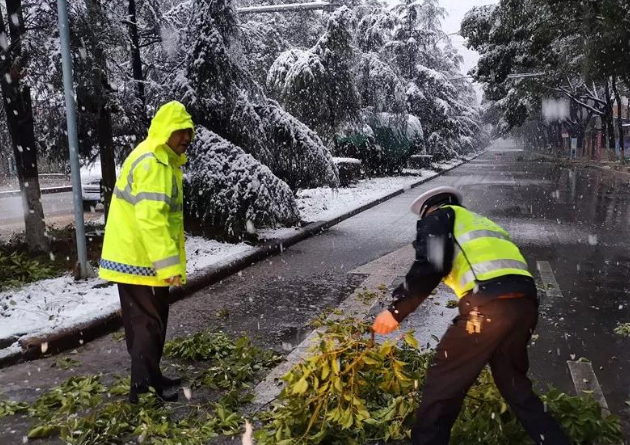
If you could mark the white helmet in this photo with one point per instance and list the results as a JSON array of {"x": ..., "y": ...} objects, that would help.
[{"x": 436, "y": 196}]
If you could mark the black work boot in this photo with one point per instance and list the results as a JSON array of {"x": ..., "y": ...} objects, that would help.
[
  {"x": 169, "y": 383},
  {"x": 135, "y": 391},
  {"x": 168, "y": 397}
]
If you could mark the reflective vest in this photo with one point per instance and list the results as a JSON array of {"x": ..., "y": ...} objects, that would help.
[
  {"x": 483, "y": 251},
  {"x": 144, "y": 235}
]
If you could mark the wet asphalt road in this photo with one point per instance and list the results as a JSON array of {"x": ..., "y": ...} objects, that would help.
[
  {"x": 58, "y": 210},
  {"x": 575, "y": 220},
  {"x": 54, "y": 204}
]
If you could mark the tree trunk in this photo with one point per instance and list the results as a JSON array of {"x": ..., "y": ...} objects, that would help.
[
  {"x": 622, "y": 155},
  {"x": 136, "y": 60},
  {"x": 557, "y": 135},
  {"x": 581, "y": 140},
  {"x": 19, "y": 112},
  {"x": 610, "y": 128},
  {"x": 104, "y": 133}
]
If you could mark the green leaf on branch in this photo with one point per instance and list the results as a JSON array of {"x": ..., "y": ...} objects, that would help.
[{"x": 411, "y": 340}]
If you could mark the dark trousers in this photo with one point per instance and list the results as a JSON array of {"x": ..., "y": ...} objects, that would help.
[
  {"x": 145, "y": 315},
  {"x": 461, "y": 356}
]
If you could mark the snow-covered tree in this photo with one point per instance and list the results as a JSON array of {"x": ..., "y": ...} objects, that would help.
[
  {"x": 375, "y": 29},
  {"x": 318, "y": 85},
  {"x": 416, "y": 36},
  {"x": 380, "y": 87},
  {"x": 110, "y": 114},
  {"x": 223, "y": 97},
  {"x": 262, "y": 43},
  {"x": 574, "y": 61}
]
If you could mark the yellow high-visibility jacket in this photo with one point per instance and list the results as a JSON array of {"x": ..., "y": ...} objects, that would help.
[
  {"x": 483, "y": 251},
  {"x": 144, "y": 235}
]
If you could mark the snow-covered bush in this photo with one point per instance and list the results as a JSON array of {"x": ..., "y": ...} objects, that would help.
[
  {"x": 228, "y": 193},
  {"x": 385, "y": 144},
  {"x": 350, "y": 170},
  {"x": 224, "y": 97},
  {"x": 440, "y": 148}
]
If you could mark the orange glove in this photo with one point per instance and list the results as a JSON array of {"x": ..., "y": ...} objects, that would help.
[
  {"x": 175, "y": 281},
  {"x": 385, "y": 323}
]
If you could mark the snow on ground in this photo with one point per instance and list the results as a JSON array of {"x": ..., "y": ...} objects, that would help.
[
  {"x": 322, "y": 204},
  {"x": 346, "y": 161},
  {"x": 446, "y": 165},
  {"x": 202, "y": 253},
  {"x": 51, "y": 305}
]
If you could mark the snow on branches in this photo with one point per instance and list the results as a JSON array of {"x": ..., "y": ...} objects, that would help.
[
  {"x": 224, "y": 97},
  {"x": 318, "y": 85},
  {"x": 230, "y": 194}
]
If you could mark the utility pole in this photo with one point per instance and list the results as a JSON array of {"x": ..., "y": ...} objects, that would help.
[{"x": 84, "y": 269}]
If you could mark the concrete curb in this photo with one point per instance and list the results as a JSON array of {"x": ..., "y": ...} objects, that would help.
[
  {"x": 44, "y": 191},
  {"x": 77, "y": 336}
]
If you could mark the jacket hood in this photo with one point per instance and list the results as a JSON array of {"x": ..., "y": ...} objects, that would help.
[{"x": 170, "y": 117}]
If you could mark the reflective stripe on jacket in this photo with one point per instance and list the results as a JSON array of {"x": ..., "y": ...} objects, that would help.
[
  {"x": 483, "y": 251},
  {"x": 144, "y": 235}
]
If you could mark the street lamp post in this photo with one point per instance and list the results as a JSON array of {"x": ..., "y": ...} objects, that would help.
[
  {"x": 524, "y": 75},
  {"x": 287, "y": 7},
  {"x": 73, "y": 141}
]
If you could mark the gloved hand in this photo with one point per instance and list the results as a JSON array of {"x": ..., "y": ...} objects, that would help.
[
  {"x": 175, "y": 281},
  {"x": 385, "y": 323}
]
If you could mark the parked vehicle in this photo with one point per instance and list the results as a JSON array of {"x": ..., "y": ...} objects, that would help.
[{"x": 91, "y": 184}]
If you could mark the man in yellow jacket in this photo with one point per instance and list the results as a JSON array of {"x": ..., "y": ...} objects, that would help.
[
  {"x": 498, "y": 308},
  {"x": 144, "y": 250}
]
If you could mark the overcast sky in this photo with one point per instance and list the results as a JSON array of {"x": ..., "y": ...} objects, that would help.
[{"x": 456, "y": 10}]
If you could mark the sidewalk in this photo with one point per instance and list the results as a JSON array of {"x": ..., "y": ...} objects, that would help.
[{"x": 67, "y": 314}]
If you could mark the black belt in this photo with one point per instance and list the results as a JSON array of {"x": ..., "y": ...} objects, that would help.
[{"x": 511, "y": 296}]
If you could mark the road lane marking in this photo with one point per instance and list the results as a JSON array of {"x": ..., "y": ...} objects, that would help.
[
  {"x": 552, "y": 289},
  {"x": 585, "y": 381},
  {"x": 584, "y": 378}
]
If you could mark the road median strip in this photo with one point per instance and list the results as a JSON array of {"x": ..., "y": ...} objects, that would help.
[{"x": 43, "y": 191}]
